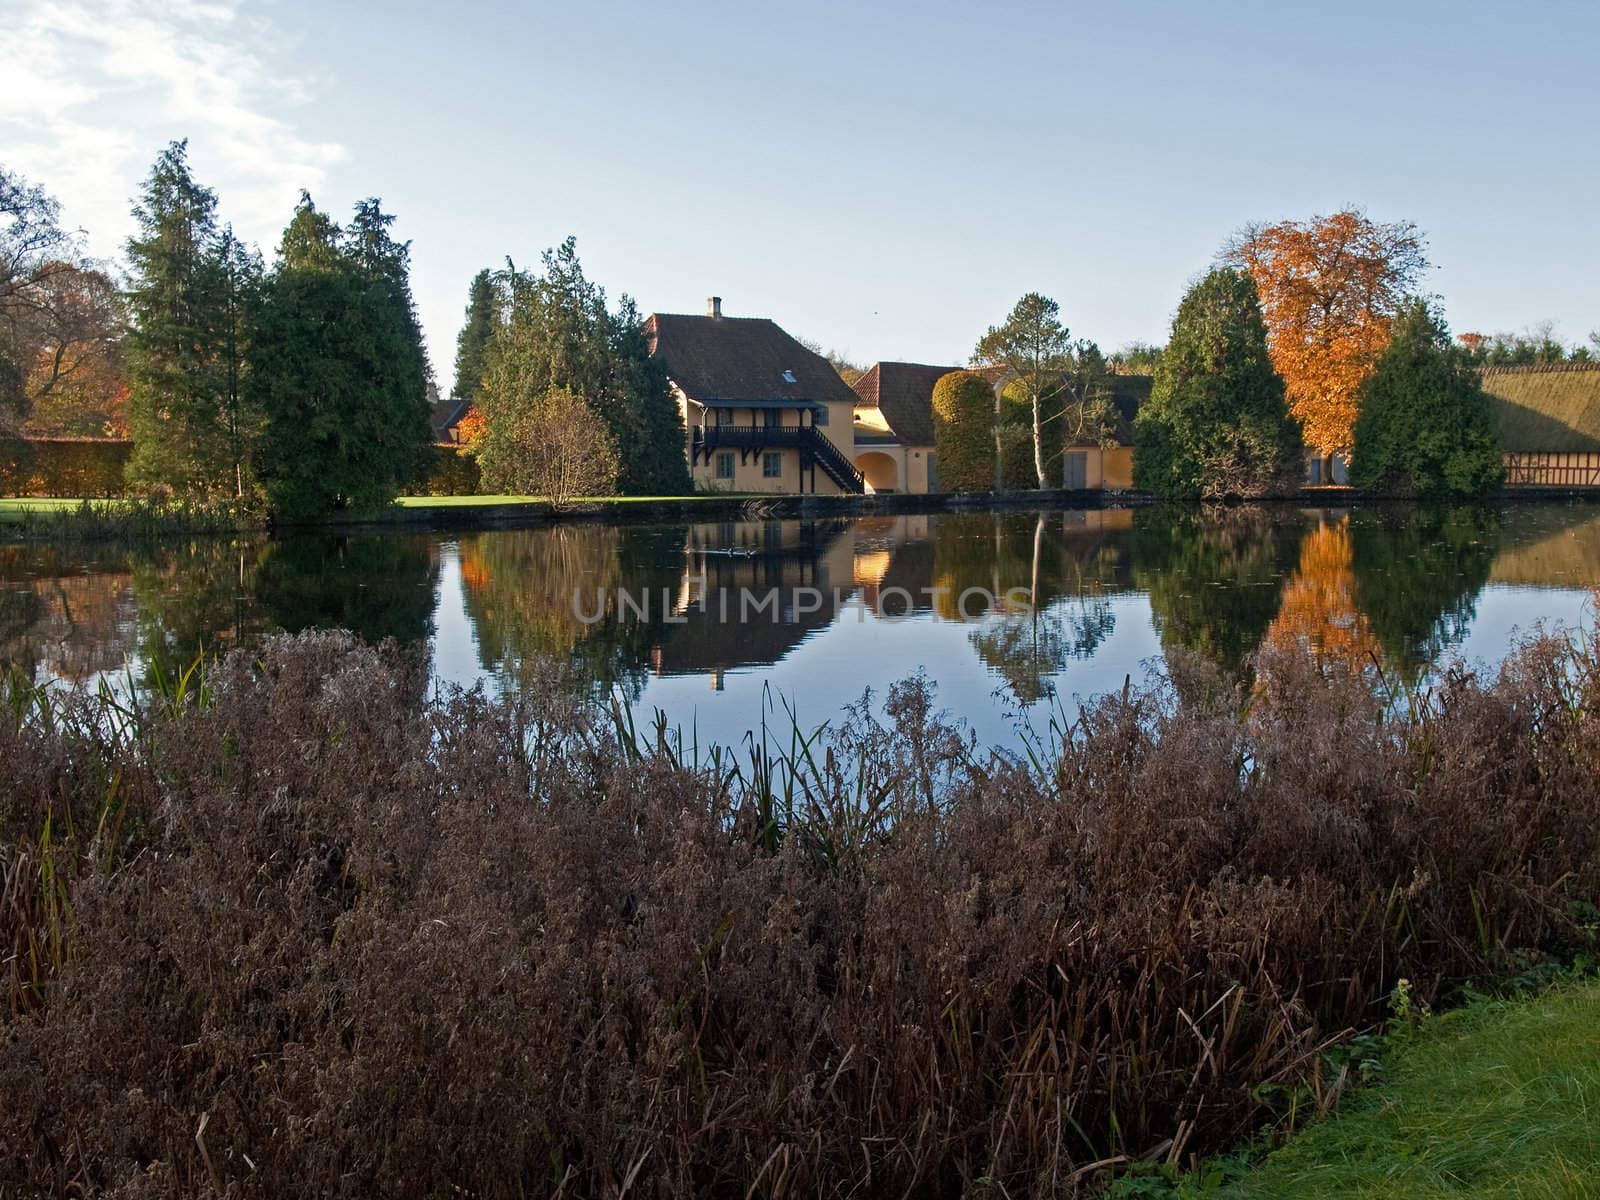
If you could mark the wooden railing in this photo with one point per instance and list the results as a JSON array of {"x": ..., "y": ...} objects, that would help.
[{"x": 813, "y": 444}]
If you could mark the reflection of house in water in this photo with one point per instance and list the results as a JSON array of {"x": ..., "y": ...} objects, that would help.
[
  {"x": 751, "y": 592},
  {"x": 1550, "y": 546}
]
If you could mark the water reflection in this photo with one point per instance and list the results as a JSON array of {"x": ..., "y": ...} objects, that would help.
[{"x": 1032, "y": 603}]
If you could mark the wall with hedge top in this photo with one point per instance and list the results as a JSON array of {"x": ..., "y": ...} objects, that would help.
[{"x": 75, "y": 467}]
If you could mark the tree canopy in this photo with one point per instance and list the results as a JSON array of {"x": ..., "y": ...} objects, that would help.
[
  {"x": 1035, "y": 348},
  {"x": 472, "y": 344},
  {"x": 193, "y": 289},
  {"x": 555, "y": 329},
  {"x": 61, "y": 321},
  {"x": 338, "y": 374},
  {"x": 1329, "y": 288},
  {"x": 1426, "y": 426},
  {"x": 1216, "y": 424}
]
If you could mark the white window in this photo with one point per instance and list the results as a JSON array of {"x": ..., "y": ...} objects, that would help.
[
  {"x": 772, "y": 466},
  {"x": 788, "y": 377},
  {"x": 725, "y": 465}
]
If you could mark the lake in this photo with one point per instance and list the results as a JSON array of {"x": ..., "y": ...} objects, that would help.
[{"x": 1008, "y": 613}]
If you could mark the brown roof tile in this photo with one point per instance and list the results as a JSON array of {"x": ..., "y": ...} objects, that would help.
[
  {"x": 741, "y": 360},
  {"x": 903, "y": 393}
]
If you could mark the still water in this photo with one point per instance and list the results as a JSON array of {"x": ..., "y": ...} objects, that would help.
[{"x": 1007, "y": 613}]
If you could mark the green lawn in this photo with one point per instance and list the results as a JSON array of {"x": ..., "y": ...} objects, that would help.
[
  {"x": 476, "y": 501},
  {"x": 12, "y": 509},
  {"x": 1499, "y": 1099}
]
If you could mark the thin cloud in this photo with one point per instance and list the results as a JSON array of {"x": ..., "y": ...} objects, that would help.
[{"x": 90, "y": 90}]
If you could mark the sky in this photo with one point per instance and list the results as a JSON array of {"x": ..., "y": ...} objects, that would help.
[{"x": 884, "y": 179}]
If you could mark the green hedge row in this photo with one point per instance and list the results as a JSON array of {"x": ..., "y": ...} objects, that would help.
[{"x": 63, "y": 467}]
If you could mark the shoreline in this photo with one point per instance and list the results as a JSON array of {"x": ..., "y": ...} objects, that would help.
[
  {"x": 522, "y": 514},
  {"x": 447, "y": 514}
]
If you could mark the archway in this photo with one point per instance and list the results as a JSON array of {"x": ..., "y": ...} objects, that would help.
[{"x": 881, "y": 472}]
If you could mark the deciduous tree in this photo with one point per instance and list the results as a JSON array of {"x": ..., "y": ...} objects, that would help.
[
  {"x": 1136, "y": 358},
  {"x": 557, "y": 330},
  {"x": 1426, "y": 426},
  {"x": 1035, "y": 348},
  {"x": 1216, "y": 424},
  {"x": 557, "y": 448},
  {"x": 49, "y": 297},
  {"x": 1329, "y": 289}
]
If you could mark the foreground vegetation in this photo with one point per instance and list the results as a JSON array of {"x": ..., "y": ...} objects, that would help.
[
  {"x": 1494, "y": 1099},
  {"x": 290, "y": 926}
]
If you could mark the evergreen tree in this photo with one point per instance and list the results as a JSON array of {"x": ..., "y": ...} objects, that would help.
[
  {"x": 472, "y": 344},
  {"x": 1425, "y": 426},
  {"x": 194, "y": 286},
  {"x": 557, "y": 331},
  {"x": 339, "y": 373},
  {"x": 1216, "y": 423}
]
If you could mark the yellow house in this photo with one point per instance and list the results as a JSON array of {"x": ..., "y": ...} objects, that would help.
[
  {"x": 894, "y": 448},
  {"x": 762, "y": 412},
  {"x": 894, "y": 427}
]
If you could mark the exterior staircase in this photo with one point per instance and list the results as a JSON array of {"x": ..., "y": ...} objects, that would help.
[{"x": 814, "y": 446}]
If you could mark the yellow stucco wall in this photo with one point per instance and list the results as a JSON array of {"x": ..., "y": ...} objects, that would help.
[
  {"x": 1116, "y": 468},
  {"x": 910, "y": 465},
  {"x": 748, "y": 469}
]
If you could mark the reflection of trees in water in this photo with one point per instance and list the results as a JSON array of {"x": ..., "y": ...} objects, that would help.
[
  {"x": 1213, "y": 576},
  {"x": 1318, "y": 614},
  {"x": 1417, "y": 576},
  {"x": 63, "y": 614},
  {"x": 519, "y": 590},
  {"x": 213, "y": 594},
  {"x": 375, "y": 585},
  {"x": 20, "y": 611},
  {"x": 195, "y": 597},
  {"x": 1067, "y": 576}
]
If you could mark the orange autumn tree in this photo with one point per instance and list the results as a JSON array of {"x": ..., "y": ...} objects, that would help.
[
  {"x": 1329, "y": 288},
  {"x": 471, "y": 426}
]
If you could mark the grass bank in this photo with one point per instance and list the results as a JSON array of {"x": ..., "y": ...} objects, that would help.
[
  {"x": 57, "y": 520},
  {"x": 1496, "y": 1099},
  {"x": 292, "y": 925}
]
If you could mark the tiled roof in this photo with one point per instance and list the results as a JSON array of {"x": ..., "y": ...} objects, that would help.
[
  {"x": 903, "y": 393},
  {"x": 740, "y": 360},
  {"x": 446, "y": 413}
]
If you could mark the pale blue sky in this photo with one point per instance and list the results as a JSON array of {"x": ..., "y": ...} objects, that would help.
[{"x": 883, "y": 179}]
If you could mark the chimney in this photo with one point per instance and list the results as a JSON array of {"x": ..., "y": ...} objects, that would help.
[{"x": 714, "y": 307}]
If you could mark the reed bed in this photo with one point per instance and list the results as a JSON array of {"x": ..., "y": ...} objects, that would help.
[
  {"x": 289, "y": 926},
  {"x": 124, "y": 521}
]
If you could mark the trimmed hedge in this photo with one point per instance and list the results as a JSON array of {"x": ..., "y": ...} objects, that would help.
[
  {"x": 963, "y": 431},
  {"x": 70, "y": 467}
]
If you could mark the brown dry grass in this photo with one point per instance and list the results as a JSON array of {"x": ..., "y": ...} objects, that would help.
[{"x": 298, "y": 933}]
